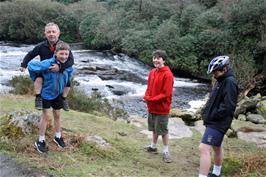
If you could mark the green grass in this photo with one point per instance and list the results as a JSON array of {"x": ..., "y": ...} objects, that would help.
[{"x": 124, "y": 157}]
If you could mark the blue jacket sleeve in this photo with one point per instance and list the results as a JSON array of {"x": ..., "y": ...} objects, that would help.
[
  {"x": 37, "y": 67},
  {"x": 69, "y": 71}
]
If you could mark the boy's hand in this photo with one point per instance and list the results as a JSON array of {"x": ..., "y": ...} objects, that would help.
[
  {"x": 22, "y": 69},
  {"x": 146, "y": 98},
  {"x": 54, "y": 68}
]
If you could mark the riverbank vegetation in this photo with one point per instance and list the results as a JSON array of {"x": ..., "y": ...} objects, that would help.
[{"x": 192, "y": 31}]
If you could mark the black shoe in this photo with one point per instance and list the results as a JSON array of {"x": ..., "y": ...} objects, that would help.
[
  {"x": 213, "y": 175},
  {"x": 41, "y": 146},
  {"x": 151, "y": 150},
  {"x": 60, "y": 142},
  {"x": 65, "y": 105},
  {"x": 38, "y": 103}
]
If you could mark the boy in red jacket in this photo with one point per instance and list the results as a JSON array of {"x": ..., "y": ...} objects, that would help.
[{"x": 158, "y": 97}]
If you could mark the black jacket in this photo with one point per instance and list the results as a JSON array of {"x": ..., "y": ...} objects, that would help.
[
  {"x": 42, "y": 49},
  {"x": 219, "y": 110}
]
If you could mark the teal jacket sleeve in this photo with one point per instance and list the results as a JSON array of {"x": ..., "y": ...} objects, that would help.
[
  {"x": 69, "y": 71},
  {"x": 36, "y": 67}
]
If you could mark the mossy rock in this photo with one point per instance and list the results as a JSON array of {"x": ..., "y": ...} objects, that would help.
[
  {"x": 261, "y": 108},
  {"x": 8, "y": 129},
  {"x": 18, "y": 124}
]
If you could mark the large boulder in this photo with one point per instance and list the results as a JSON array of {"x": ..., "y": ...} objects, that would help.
[
  {"x": 250, "y": 132},
  {"x": 247, "y": 104},
  {"x": 187, "y": 116},
  {"x": 19, "y": 123},
  {"x": 256, "y": 118},
  {"x": 98, "y": 140}
]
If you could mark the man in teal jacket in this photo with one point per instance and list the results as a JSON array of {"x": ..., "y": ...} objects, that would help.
[{"x": 51, "y": 93}]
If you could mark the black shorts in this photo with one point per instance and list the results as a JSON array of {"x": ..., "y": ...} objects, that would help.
[
  {"x": 68, "y": 83},
  {"x": 212, "y": 137},
  {"x": 56, "y": 103},
  {"x": 39, "y": 75}
]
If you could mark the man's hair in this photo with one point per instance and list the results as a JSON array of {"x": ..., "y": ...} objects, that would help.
[
  {"x": 160, "y": 53},
  {"x": 61, "y": 46},
  {"x": 52, "y": 24}
]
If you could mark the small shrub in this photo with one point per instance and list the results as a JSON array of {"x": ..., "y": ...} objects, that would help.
[
  {"x": 78, "y": 100},
  {"x": 251, "y": 165},
  {"x": 254, "y": 164},
  {"x": 9, "y": 130},
  {"x": 231, "y": 166},
  {"x": 22, "y": 85},
  {"x": 4, "y": 146}
]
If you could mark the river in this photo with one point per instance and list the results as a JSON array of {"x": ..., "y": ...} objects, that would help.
[{"x": 117, "y": 77}]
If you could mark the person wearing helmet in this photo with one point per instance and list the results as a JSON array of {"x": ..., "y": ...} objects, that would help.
[{"x": 217, "y": 115}]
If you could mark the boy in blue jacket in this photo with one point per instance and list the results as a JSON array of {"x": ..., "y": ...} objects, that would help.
[
  {"x": 45, "y": 50},
  {"x": 51, "y": 93}
]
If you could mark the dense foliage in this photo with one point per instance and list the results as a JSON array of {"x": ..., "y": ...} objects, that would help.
[{"x": 191, "y": 31}]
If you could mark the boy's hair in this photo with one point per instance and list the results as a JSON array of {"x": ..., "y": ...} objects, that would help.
[
  {"x": 52, "y": 24},
  {"x": 61, "y": 46},
  {"x": 160, "y": 53}
]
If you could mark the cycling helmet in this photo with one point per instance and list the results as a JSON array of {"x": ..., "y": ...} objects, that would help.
[{"x": 218, "y": 63}]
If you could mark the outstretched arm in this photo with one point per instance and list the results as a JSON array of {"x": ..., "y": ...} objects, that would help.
[{"x": 30, "y": 55}]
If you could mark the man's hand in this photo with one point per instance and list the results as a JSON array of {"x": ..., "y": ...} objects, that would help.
[
  {"x": 22, "y": 69},
  {"x": 54, "y": 68}
]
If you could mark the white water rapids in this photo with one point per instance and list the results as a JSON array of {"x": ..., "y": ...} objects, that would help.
[{"x": 116, "y": 77}]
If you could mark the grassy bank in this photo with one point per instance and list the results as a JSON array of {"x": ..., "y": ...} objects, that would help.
[{"x": 124, "y": 157}]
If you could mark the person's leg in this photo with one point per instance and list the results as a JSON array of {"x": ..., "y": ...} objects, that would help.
[
  {"x": 40, "y": 143},
  {"x": 166, "y": 154},
  {"x": 43, "y": 122},
  {"x": 57, "y": 104},
  {"x": 38, "y": 85},
  {"x": 57, "y": 121},
  {"x": 64, "y": 95},
  {"x": 58, "y": 139},
  {"x": 205, "y": 159},
  {"x": 212, "y": 138},
  {"x": 151, "y": 127},
  {"x": 37, "y": 91},
  {"x": 65, "y": 92},
  {"x": 218, "y": 159},
  {"x": 165, "y": 139},
  {"x": 163, "y": 129},
  {"x": 154, "y": 138}
]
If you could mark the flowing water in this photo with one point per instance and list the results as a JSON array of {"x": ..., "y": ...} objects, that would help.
[{"x": 116, "y": 77}]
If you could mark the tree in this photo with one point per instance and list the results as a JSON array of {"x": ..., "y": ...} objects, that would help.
[{"x": 18, "y": 24}]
